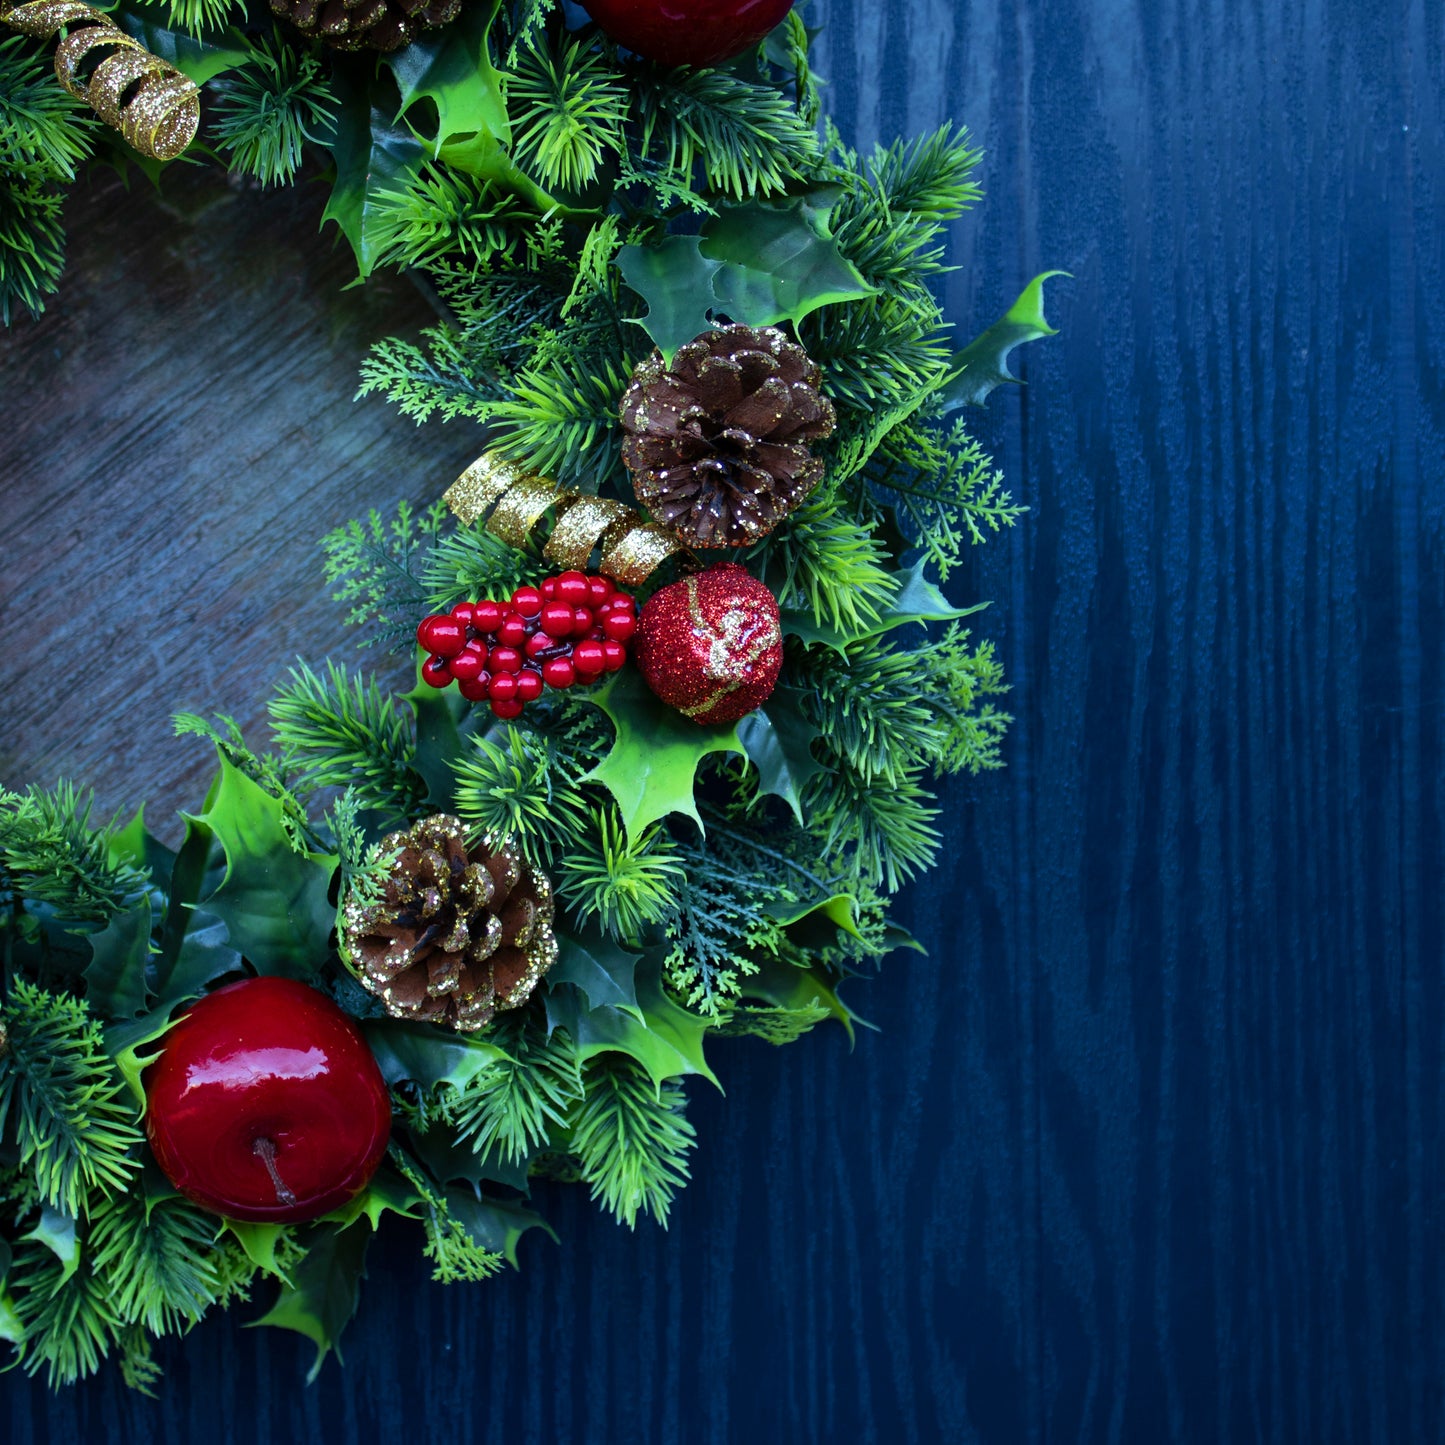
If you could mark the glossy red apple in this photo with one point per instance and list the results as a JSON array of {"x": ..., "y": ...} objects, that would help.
[
  {"x": 266, "y": 1104},
  {"x": 688, "y": 32}
]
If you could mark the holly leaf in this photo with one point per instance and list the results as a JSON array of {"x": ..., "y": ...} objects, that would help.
[
  {"x": 273, "y": 900},
  {"x": 655, "y": 754},
  {"x": 137, "y": 845},
  {"x": 452, "y": 68},
  {"x": 676, "y": 280},
  {"x": 198, "y": 60},
  {"x": 602, "y": 969},
  {"x": 780, "y": 261},
  {"x": 484, "y": 156},
  {"x": 373, "y": 156},
  {"x": 439, "y": 713},
  {"x": 11, "y": 1330},
  {"x": 778, "y": 739},
  {"x": 115, "y": 977},
  {"x": 916, "y": 600},
  {"x": 667, "y": 1040},
  {"x": 449, "y": 1159},
  {"x": 56, "y": 1231},
  {"x": 839, "y": 909},
  {"x": 786, "y": 986},
  {"x": 387, "y": 1191},
  {"x": 259, "y": 1242},
  {"x": 982, "y": 365},
  {"x": 494, "y": 1224},
  {"x": 325, "y": 1291},
  {"x": 427, "y": 1055}
]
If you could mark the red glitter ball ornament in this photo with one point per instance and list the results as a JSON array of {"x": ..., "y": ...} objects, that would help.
[{"x": 711, "y": 645}]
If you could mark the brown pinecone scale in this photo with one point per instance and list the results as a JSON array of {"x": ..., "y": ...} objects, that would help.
[
  {"x": 456, "y": 933},
  {"x": 717, "y": 443},
  {"x": 366, "y": 24}
]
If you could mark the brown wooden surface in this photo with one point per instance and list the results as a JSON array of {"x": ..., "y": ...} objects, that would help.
[{"x": 179, "y": 432}]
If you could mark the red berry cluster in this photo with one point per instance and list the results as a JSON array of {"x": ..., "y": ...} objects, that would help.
[{"x": 571, "y": 629}]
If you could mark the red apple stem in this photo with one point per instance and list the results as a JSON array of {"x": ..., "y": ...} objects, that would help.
[{"x": 265, "y": 1151}]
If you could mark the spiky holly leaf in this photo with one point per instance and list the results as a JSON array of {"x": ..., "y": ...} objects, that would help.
[
  {"x": 676, "y": 281},
  {"x": 786, "y": 986},
  {"x": 439, "y": 715},
  {"x": 137, "y": 845},
  {"x": 452, "y": 68},
  {"x": 603, "y": 970},
  {"x": 388, "y": 1190},
  {"x": 667, "y": 1041},
  {"x": 115, "y": 977},
  {"x": 780, "y": 261},
  {"x": 374, "y": 156},
  {"x": 450, "y": 1159},
  {"x": 427, "y": 1055},
  {"x": 839, "y": 909},
  {"x": 198, "y": 60},
  {"x": 273, "y": 899},
  {"x": 982, "y": 365},
  {"x": 778, "y": 739},
  {"x": 494, "y": 1224},
  {"x": 325, "y": 1290},
  {"x": 655, "y": 754},
  {"x": 55, "y": 1229},
  {"x": 917, "y": 600},
  {"x": 260, "y": 1242}
]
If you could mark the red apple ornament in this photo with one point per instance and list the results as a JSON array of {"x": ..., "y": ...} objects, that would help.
[
  {"x": 688, "y": 32},
  {"x": 266, "y": 1104}
]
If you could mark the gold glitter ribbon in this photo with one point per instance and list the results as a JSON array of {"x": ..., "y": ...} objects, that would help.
[
  {"x": 517, "y": 500},
  {"x": 149, "y": 101}
]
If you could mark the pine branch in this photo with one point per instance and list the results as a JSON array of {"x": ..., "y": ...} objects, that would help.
[
  {"x": 471, "y": 564},
  {"x": 889, "y": 831},
  {"x": 625, "y": 883},
  {"x": 32, "y": 244},
  {"x": 265, "y": 113},
  {"x": 70, "y": 1117},
  {"x": 197, "y": 17},
  {"x": 44, "y": 133},
  {"x": 70, "y": 1321},
  {"x": 568, "y": 108},
  {"x": 772, "y": 1023},
  {"x": 632, "y": 1139},
  {"x": 373, "y": 565},
  {"x": 456, "y": 1257},
  {"x": 441, "y": 214}
]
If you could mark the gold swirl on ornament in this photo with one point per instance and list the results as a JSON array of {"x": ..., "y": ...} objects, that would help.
[
  {"x": 149, "y": 101},
  {"x": 517, "y": 501}
]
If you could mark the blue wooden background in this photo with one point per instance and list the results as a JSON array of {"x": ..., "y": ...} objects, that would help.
[{"x": 1148, "y": 1148}]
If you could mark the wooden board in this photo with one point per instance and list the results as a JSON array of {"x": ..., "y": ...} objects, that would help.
[{"x": 1149, "y": 1147}]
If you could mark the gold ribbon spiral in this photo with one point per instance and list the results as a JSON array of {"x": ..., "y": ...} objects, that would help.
[
  {"x": 149, "y": 101},
  {"x": 517, "y": 500}
]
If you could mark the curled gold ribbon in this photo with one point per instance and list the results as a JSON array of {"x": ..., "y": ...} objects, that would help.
[
  {"x": 518, "y": 500},
  {"x": 149, "y": 101}
]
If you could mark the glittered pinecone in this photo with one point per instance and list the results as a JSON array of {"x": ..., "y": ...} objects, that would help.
[
  {"x": 366, "y": 24},
  {"x": 717, "y": 443},
  {"x": 456, "y": 933}
]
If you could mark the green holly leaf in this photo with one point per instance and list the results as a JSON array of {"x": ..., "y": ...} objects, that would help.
[
  {"x": 373, "y": 156},
  {"x": 427, "y": 1055},
  {"x": 11, "y": 1330},
  {"x": 602, "y": 969},
  {"x": 494, "y": 1224},
  {"x": 917, "y": 600},
  {"x": 778, "y": 739},
  {"x": 137, "y": 845},
  {"x": 656, "y": 752},
  {"x": 388, "y": 1190},
  {"x": 780, "y": 262},
  {"x": 273, "y": 899},
  {"x": 452, "y": 68},
  {"x": 260, "y": 1242},
  {"x": 325, "y": 1291},
  {"x": 838, "y": 909},
  {"x": 785, "y": 986},
  {"x": 56, "y": 1231},
  {"x": 667, "y": 1040},
  {"x": 982, "y": 365},
  {"x": 198, "y": 60},
  {"x": 115, "y": 978},
  {"x": 484, "y": 156},
  {"x": 439, "y": 714},
  {"x": 676, "y": 280},
  {"x": 449, "y": 1159}
]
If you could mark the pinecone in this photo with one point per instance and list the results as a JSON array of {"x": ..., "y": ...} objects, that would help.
[
  {"x": 716, "y": 442},
  {"x": 366, "y": 24},
  {"x": 456, "y": 934}
]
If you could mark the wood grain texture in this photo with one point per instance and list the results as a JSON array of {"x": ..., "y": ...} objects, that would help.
[{"x": 1149, "y": 1147}]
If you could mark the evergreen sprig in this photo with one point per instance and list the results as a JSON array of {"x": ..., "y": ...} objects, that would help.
[
  {"x": 266, "y": 112},
  {"x": 568, "y": 107},
  {"x": 68, "y": 1316},
  {"x": 624, "y": 882}
]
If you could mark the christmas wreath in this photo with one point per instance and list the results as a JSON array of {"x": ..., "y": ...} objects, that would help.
[{"x": 684, "y": 670}]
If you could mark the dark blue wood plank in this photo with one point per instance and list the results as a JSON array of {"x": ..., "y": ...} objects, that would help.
[{"x": 1149, "y": 1147}]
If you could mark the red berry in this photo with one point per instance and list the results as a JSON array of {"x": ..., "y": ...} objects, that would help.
[
  {"x": 619, "y": 626},
  {"x": 468, "y": 664},
  {"x": 462, "y": 612},
  {"x": 513, "y": 630},
  {"x": 529, "y": 685},
  {"x": 442, "y": 635},
  {"x": 503, "y": 687},
  {"x": 507, "y": 710},
  {"x": 572, "y": 587},
  {"x": 477, "y": 689},
  {"x": 623, "y": 602},
  {"x": 436, "y": 672},
  {"x": 527, "y": 601},
  {"x": 504, "y": 659},
  {"x": 265, "y": 1104},
  {"x": 559, "y": 673},
  {"x": 557, "y": 619},
  {"x": 487, "y": 616},
  {"x": 599, "y": 589},
  {"x": 549, "y": 588},
  {"x": 538, "y": 643},
  {"x": 581, "y": 621},
  {"x": 614, "y": 653},
  {"x": 588, "y": 657},
  {"x": 688, "y": 32}
]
